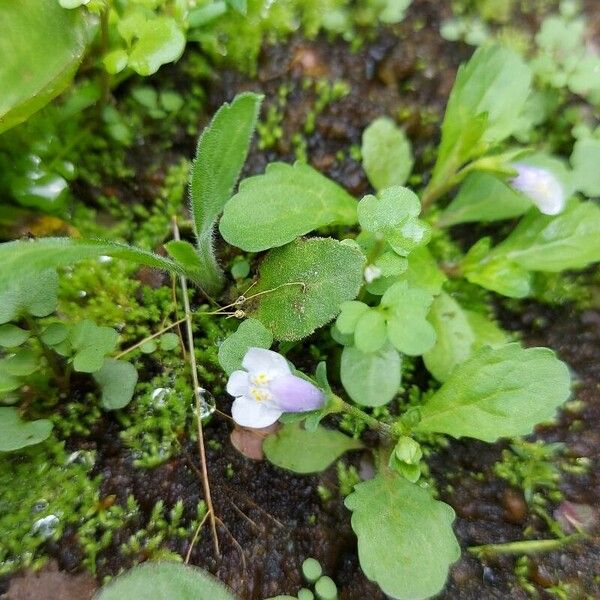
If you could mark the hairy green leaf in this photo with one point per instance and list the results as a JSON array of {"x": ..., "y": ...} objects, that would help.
[
  {"x": 405, "y": 538},
  {"x": 371, "y": 379},
  {"x": 16, "y": 433},
  {"x": 161, "y": 580},
  {"x": 499, "y": 392},
  {"x": 386, "y": 153},
  {"x": 251, "y": 333},
  {"x": 301, "y": 451},
  {"x": 220, "y": 156},
  {"x": 303, "y": 284},
  {"x": 286, "y": 202},
  {"x": 23, "y": 260},
  {"x": 117, "y": 379}
]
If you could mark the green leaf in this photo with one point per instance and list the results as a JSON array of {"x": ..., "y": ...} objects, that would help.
[
  {"x": 22, "y": 294},
  {"x": 23, "y": 260},
  {"x": 117, "y": 379},
  {"x": 454, "y": 337},
  {"x": 186, "y": 255},
  {"x": 387, "y": 154},
  {"x": 406, "y": 311},
  {"x": 351, "y": 311},
  {"x": 41, "y": 46},
  {"x": 16, "y": 433},
  {"x": 483, "y": 109},
  {"x": 161, "y": 580},
  {"x": 585, "y": 160},
  {"x": 393, "y": 216},
  {"x": 169, "y": 341},
  {"x": 303, "y": 285},
  {"x": 240, "y": 5},
  {"x": 405, "y": 538},
  {"x": 114, "y": 62},
  {"x": 220, "y": 156},
  {"x": 159, "y": 41},
  {"x": 486, "y": 332},
  {"x": 483, "y": 197},
  {"x": 286, "y": 202},
  {"x": 22, "y": 363},
  {"x": 569, "y": 240},
  {"x": 250, "y": 333},
  {"x": 298, "y": 450},
  {"x": 54, "y": 334},
  {"x": 12, "y": 336},
  {"x": 91, "y": 344},
  {"x": 499, "y": 392},
  {"x": 371, "y": 379},
  {"x": 370, "y": 333}
]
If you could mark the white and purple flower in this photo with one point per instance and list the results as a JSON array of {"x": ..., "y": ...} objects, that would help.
[
  {"x": 541, "y": 186},
  {"x": 267, "y": 389}
]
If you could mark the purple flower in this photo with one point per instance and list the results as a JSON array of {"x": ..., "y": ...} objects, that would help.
[
  {"x": 541, "y": 187},
  {"x": 267, "y": 389}
]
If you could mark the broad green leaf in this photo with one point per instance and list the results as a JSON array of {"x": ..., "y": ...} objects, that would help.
[
  {"x": 286, "y": 202},
  {"x": 54, "y": 334},
  {"x": 41, "y": 47},
  {"x": 169, "y": 341},
  {"x": 370, "y": 333},
  {"x": 569, "y": 240},
  {"x": 454, "y": 337},
  {"x": 371, "y": 379},
  {"x": 12, "y": 336},
  {"x": 117, "y": 379},
  {"x": 16, "y": 433},
  {"x": 33, "y": 294},
  {"x": 251, "y": 333},
  {"x": 496, "y": 273},
  {"x": 25, "y": 259},
  {"x": 303, "y": 285},
  {"x": 24, "y": 362},
  {"x": 423, "y": 272},
  {"x": 220, "y": 156},
  {"x": 483, "y": 109},
  {"x": 114, "y": 62},
  {"x": 405, "y": 538},
  {"x": 585, "y": 160},
  {"x": 406, "y": 312},
  {"x": 483, "y": 197},
  {"x": 486, "y": 332},
  {"x": 159, "y": 41},
  {"x": 351, "y": 311},
  {"x": 162, "y": 580},
  {"x": 91, "y": 344},
  {"x": 386, "y": 153},
  {"x": 499, "y": 392},
  {"x": 301, "y": 451},
  {"x": 393, "y": 216}
]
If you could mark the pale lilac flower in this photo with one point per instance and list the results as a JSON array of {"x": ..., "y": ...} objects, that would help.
[
  {"x": 267, "y": 389},
  {"x": 541, "y": 186}
]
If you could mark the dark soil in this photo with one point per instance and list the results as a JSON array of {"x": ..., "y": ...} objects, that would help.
[{"x": 271, "y": 519}]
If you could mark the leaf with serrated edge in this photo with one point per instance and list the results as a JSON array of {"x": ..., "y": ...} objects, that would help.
[
  {"x": 286, "y": 202},
  {"x": 498, "y": 392},
  {"x": 405, "y": 538},
  {"x": 303, "y": 284}
]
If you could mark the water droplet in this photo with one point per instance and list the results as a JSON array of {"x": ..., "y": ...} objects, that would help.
[
  {"x": 39, "y": 506},
  {"x": 207, "y": 405},
  {"x": 82, "y": 293},
  {"x": 82, "y": 457},
  {"x": 45, "y": 527},
  {"x": 104, "y": 259},
  {"x": 159, "y": 396}
]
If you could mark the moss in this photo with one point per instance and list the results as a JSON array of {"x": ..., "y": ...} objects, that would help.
[{"x": 37, "y": 484}]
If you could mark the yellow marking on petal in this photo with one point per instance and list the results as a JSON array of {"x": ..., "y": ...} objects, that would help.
[
  {"x": 259, "y": 394},
  {"x": 260, "y": 379}
]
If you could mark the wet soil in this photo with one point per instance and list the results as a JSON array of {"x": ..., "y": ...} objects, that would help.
[{"x": 270, "y": 519}]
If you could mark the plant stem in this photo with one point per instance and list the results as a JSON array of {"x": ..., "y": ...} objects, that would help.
[
  {"x": 526, "y": 546},
  {"x": 199, "y": 401},
  {"x": 372, "y": 422},
  {"x": 150, "y": 337}
]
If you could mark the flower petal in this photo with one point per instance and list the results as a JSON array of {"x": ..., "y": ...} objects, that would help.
[
  {"x": 238, "y": 383},
  {"x": 261, "y": 360},
  {"x": 250, "y": 413},
  {"x": 293, "y": 394},
  {"x": 541, "y": 186}
]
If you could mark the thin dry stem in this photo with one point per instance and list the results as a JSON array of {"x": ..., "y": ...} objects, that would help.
[{"x": 196, "y": 384}]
